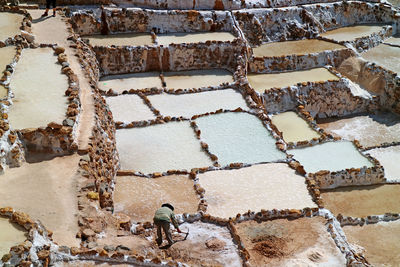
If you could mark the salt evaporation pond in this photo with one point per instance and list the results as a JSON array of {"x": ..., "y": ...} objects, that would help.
[
  {"x": 300, "y": 47},
  {"x": 139, "y": 197},
  {"x": 389, "y": 158},
  {"x": 159, "y": 148},
  {"x": 262, "y": 82},
  {"x": 193, "y": 37},
  {"x": 385, "y": 55},
  {"x": 123, "y": 82},
  {"x": 370, "y": 129},
  {"x": 10, "y": 235},
  {"x": 121, "y": 39},
  {"x": 379, "y": 242},
  {"x": 264, "y": 186},
  {"x": 9, "y": 24},
  {"x": 238, "y": 137},
  {"x": 128, "y": 108},
  {"x": 331, "y": 156},
  {"x": 187, "y": 105},
  {"x": 293, "y": 127},
  {"x": 197, "y": 78},
  {"x": 351, "y": 33},
  {"x": 38, "y": 86},
  {"x": 284, "y": 242},
  {"x": 362, "y": 201}
]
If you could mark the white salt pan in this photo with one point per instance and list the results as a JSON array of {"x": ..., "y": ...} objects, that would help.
[
  {"x": 187, "y": 105},
  {"x": 39, "y": 87},
  {"x": 389, "y": 158},
  {"x": 128, "y": 108},
  {"x": 197, "y": 78},
  {"x": 265, "y": 186},
  {"x": 293, "y": 127},
  {"x": 122, "y": 82},
  {"x": 331, "y": 156},
  {"x": 238, "y": 137},
  {"x": 193, "y": 37},
  {"x": 160, "y": 148}
]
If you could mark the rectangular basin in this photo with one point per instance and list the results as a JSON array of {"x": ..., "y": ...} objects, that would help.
[
  {"x": 128, "y": 108},
  {"x": 264, "y": 186},
  {"x": 389, "y": 158},
  {"x": 159, "y": 148},
  {"x": 229, "y": 137},
  {"x": 197, "y": 78},
  {"x": 293, "y": 127},
  {"x": 300, "y": 47},
  {"x": 38, "y": 86},
  {"x": 384, "y": 55},
  {"x": 350, "y": 33},
  {"x": 262, "y": 82},
  {"x": 125, "y": 82},
  {"x": 9, "y": 25},
  {"x": 121, "y": 39},
  {"x": 369, "y": 129},
  {"x": 331, "y": 156},
  {"x": 193, "y": 37},
  {"x": 188, "y": 105}
]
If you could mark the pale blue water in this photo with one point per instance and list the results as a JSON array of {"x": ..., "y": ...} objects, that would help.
[
  {"x": 331, "y": 156},
  {"x": 238, "y": 137}
]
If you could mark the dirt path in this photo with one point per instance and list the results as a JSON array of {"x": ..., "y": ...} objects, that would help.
[
  {"x": 53, "y": 30},
  {"x": 46, "y": 191}
]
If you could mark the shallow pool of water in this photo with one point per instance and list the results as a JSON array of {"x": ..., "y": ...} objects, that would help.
[
  {"x": 238, "y": 137},
  {"x": 140, "y": 197},
  {"x": 362, "y": 201},
  {"x": 262, "y": 82},
  {"x": 187, "y": 105},
  {"x": 197, "y": 78},
  {"x": 10, "y": 235},
  {"x": 120, "y": 83},
  {"x": 121, "y": 39},
  {"x": 38, "y": 86},
  {"x": 193, "y": 37},
  {"x": 300, "y": 47},
  {"x": 331, "y": 156},
  {"x": 385, "y": 55},
  {"x": 350, "y": 33},
  {"x": 160, "y": 148},
  {"x": 9, "y": 24},
  {"x": 264, "y": 186},
  {"x": 370, "y": 130},
  {"x": 128, "y": 108},
  {"x": 389, "y": 158},
  {"x": 293, "y": 127}
]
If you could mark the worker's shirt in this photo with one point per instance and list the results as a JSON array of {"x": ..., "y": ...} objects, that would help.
[{"x": 166, "y": 214}]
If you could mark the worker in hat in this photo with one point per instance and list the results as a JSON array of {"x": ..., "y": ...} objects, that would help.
[{"x": 162, "y": 219}]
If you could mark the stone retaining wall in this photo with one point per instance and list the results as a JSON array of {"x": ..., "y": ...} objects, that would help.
[
  {"x": 320, "y": 99},
  {"x": 298, "y": 62},
  {"x": 141, "y": 20}
]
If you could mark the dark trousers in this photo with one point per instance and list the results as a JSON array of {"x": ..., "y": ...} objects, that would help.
[
  {"x": 165, "y": 226},
  {"x": 50, "y": 2}
]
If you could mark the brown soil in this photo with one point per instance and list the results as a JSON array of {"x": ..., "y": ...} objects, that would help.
[
  {"x": 270, "y": 247},
  {"x": 285, "y": 242},
  {"x": 380, "y": 242},
  {"x": 361, "y": 201}
]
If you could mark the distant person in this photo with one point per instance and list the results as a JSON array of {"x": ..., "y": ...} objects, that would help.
[
  {"x": 48, "y": 2},
  {"x": 162, "y": 219}
]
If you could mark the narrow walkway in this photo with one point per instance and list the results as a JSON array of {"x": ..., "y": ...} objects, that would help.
[{"x": 53, "y": 30}]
